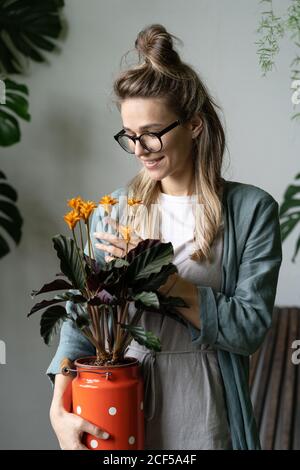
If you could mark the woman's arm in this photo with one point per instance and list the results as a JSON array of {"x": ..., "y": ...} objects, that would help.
[
  {"x": 68, "y": 427},
  {"x": 239, "y": 323}
]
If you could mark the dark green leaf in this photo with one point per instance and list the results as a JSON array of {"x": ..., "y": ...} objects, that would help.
[
  {"x": 70, "y": 263},
  {"x": 289, "y": 212},
  {"x": 82, "y": 322},
  {"x": 25, "y": 29},
  {"x": 145, "y": 338},
  {"x": 291, "y": 191},
  {"x": 289, "y": 204},
  {"x": 51, "y": 320},
  {"x": 148, "y": 299},
  {"x": 16, "y": 104},
  {"x": 43, "y": 304},
  {"x": 75, "y": 298},
  {"x": 296, "y": 249},
  {"x": 287, "y": 226},
  {"x": 150, "y": 261},
  {"x": 57, "y": 284},
  {"x": 9, "y": 129},
  {"x": 155, "y": 280},
  {"x": 10, "y": 218}
]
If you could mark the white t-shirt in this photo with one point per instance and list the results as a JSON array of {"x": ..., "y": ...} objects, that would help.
[{"x": 177, "y": 224}]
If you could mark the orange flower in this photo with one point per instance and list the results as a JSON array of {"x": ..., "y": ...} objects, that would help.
[
  {"x": 72, "y": 218},
  {"x": 107, "y": 201},
  {"x": 75, "y": 203},
  {"x": 86, "y": 209},
  {"x": 133, "y": 202},
  {"x": 126, "y": 233}
]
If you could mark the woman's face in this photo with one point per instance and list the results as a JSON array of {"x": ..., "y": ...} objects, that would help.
[{"x": 177, "y": 143}]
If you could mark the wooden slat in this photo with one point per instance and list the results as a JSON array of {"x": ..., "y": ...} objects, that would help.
[
  {"x": 296, "y": 412},
  {"x": 266, "y": 354},
  {"x": 275, "y": 383},
  {"x": 284, "y": 429},
  {"x": 271, "y": 405}
]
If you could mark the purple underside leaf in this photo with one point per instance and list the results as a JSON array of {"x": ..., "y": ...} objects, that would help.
[
  {"x": 57, "y": 284},
  {"x": 102, "y": 297}
]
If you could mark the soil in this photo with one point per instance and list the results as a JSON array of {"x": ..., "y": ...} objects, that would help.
[{"x": 94, "y": 362}]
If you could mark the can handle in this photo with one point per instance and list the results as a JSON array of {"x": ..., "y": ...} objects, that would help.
[{"x": 66, "y": 367}]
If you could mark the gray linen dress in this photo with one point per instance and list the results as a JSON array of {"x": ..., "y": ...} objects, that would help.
[{"x": 184, "y": 392}]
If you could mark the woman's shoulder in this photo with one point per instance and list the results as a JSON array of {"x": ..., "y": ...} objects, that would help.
[{"x": 245, "y": 194}]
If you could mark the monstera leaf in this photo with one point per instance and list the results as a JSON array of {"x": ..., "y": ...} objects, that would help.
[
  {"x": 289, "y": 213},
  {"x": 27, "y": 27},
  {"x": 15, "y": 104},
  {"x": 10, "y": 219}
]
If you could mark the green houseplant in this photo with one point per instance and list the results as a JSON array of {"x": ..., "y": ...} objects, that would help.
[{"x": 102, "y": 293}]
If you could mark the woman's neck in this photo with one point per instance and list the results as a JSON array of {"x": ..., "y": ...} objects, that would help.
[{"x": 176, "y": 189}]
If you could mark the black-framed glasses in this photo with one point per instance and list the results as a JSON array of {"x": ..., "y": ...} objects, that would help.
[{"x": 151, "y": 141}]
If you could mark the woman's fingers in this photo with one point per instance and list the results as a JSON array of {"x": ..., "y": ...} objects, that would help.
[
  {"x": 113, "y": 250},
  {"x": 108, "y": 258},
  {"x": 118, "y": 246},
  {"x": 90, "y": 428}
]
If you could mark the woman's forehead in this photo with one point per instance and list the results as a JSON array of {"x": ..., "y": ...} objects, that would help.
[{"x": 141, "y": 113}]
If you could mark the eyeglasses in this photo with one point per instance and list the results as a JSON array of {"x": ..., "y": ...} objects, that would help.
[{"x": 150, "y": 141}]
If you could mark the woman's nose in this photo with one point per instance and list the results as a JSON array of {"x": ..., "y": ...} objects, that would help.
[{"x": 139, "y": 149}]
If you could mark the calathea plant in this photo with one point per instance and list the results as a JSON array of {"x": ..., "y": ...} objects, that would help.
[{"x": 102, "y": 292}]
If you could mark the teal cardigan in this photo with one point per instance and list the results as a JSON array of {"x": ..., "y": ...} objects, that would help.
[{"x": 234, "y": 320}]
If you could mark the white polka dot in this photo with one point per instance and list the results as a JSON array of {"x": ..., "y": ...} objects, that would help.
[
  {"x": 131, "y": 440},
  {"x": 78, "y": 410},
  {"x": 142, "y": 405},
  {"x": 94, "y": 444},
  {"x": 112, "y": 410}
]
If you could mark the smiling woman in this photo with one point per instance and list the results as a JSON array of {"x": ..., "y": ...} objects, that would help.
[{"x": 196, "y": 389}]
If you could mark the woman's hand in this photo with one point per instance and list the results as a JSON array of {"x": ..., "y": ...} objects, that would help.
[
  {"x": 176, "y": 286},
  {"x": 117, "y": 246},
  {"x": 69, "y": 429}
]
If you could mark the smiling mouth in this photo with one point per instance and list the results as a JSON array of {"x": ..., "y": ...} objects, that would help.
[{"x": 152, "y": 163}]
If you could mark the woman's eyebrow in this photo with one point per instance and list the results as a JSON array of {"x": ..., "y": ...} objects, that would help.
[{"x": 154, "y": 124}]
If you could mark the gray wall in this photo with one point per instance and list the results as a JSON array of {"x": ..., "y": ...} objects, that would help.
[{"x": 68, "y": 149}]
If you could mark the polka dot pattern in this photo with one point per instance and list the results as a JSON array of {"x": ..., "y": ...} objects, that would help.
[
  {"x": 112, "y": 411},
  {"x": 131, "y": 440},
  {"x": 94, "y": 444},
  {"x": 78, "y": 410}
]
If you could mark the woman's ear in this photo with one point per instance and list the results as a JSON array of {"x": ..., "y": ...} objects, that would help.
[{"x": 196, "y": 125}]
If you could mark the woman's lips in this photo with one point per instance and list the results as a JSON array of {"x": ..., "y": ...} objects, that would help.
[{"x": 154, "y": 164}]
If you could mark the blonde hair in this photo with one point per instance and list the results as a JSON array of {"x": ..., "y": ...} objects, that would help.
[{"x": 160, "y": 73}]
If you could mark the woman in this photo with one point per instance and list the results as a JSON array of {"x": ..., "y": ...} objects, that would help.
[{"x": 197, "y": 394}]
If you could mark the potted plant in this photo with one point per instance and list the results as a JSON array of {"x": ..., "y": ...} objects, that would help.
[{"x": 108, "y": 388}]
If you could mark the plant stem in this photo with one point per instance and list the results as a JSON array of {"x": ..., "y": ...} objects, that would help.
[
  {"x": 79, "y": 255},
  {"x": 89, "y": 239}
]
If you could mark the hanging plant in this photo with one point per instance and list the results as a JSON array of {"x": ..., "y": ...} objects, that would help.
[{"x": 272, "y": 28}]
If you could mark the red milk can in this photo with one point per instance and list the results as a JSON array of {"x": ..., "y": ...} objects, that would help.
[{"x": 111, "y": 397}]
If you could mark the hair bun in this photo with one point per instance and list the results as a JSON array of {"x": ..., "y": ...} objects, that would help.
[{"x": 155, "y": 45}]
